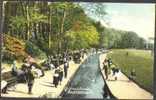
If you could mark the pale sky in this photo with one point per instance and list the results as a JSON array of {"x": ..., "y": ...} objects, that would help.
[{"x": 139, "y": 17}]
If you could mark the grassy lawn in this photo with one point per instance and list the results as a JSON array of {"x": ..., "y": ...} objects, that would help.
[{"x": 142, "y": 61}]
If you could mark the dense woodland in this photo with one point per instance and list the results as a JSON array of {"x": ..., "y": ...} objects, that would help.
[{"x": 45, "y": 28}]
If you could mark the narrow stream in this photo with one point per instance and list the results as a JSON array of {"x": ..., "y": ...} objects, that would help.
[{"x": 88, "y": 81}]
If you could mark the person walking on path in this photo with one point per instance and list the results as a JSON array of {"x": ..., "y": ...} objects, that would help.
[
  {"x": 109, "y": 62},
  {"x": 133, "y": 74},
  {"x": 30, "y": 80},
  {"x": 56, "y": 78},
  {"x": 115, "y": 71},
  {"x": 105, "y": 67},
  {"x": 60, "y": 74},
  {"x": 66, "y": 65},
  {"x": 4, "y": 86},
  {"x": 14, "y": 68}
]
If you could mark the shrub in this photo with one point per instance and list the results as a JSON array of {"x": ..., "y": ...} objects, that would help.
[
  {"x": 7, "y": 57},
  {"x": 13, "y": 49},
  {"x": 34, "y": 50}
]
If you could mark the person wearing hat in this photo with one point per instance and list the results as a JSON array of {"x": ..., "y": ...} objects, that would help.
[
  {"x": 105, "y": 67},
  {"x": 109, "y": 62},
  {"x": 66, "y": 65},
  {"x": 133, "y": 74},
  {"x": 14, "y": 68},
  {"x": 56, "y": 77},
  {"x": 60, "y": 74},
  {"x": 4, "y": 86},
  {"x": 30, "y": 80},
  {"x": 115, "y": 71}
]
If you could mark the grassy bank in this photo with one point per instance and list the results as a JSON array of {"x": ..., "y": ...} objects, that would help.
[{"x": 142, "y": 61}]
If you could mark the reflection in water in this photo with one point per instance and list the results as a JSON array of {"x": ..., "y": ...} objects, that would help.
[{"x": 88, "y": 81}]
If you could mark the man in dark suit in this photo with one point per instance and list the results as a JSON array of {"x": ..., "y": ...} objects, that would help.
[{"x": 30, "y": 80}]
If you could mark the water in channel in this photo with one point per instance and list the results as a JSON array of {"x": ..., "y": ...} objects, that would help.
[{"x": 88, "y": 81}]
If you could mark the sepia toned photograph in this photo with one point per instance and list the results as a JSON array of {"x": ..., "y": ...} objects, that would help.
[{"x": 77, "y": 50}]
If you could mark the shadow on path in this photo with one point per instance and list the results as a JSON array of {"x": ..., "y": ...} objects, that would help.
[
  {"x": 47, "y": 85},
  {"x": 49, "y": 82},
  {"x": 19, "y": 91}
]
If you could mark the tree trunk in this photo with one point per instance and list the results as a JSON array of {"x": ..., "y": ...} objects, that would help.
[
  {"x": 36, "y": 30},
  {"x": 62, "y": 29},
  {"x": 2, "y": 9},
  {"x": 2, "y": 15},
  {"x": 23, "y": 9},
  {"x": 28, "y": 23},
  {"x": 50, "y": 29},
  {"x": 63, "y": 20}
]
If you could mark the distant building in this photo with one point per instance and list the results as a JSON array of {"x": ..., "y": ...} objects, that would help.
[{"x": 150, "y": 45}]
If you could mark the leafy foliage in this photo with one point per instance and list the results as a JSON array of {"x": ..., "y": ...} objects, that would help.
[
  {"x": 13, "y": 48},
  {"x": 55, "y": 27},
  {"x": 113, "y": 38},
  {"x": 82, "y": 36},
  {"x": 34, "y": 51}
]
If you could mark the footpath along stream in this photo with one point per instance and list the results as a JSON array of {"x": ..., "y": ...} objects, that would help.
[{"x": 88, "y": 81}]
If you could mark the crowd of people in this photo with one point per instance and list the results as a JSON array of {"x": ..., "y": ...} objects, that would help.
[
  {"x": 60, "y": 72},
  {"x": 28, "y": 72},
  {"x": 110, "y": 68},
  {"x": 24, "y": 74},
  {"x": 31, "y": 70}
]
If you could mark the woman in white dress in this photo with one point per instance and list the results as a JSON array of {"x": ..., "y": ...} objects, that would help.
[{"x": 4, "y": 86}]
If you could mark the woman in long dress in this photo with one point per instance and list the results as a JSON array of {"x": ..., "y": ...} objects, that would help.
[
  {"x": 4, "y": 86},
  {"x": 105, "y": 67},
  {"x": 56, "y": 78},
  {"x": 60, "y": 74}
]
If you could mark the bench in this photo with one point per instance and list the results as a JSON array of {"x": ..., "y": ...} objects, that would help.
[{"x": 11, "y": 80}]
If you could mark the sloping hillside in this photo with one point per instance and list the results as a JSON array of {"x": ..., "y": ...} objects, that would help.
[{"x": 13, "y": 49}]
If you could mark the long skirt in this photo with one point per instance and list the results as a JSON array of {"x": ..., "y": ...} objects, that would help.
[
  {"x": 55, "y": 80},
  {"x": 60, "y": 76}
]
